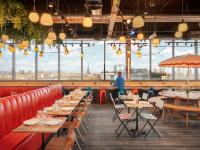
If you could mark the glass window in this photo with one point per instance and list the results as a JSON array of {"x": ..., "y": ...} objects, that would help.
[
  {"x": 48, "y": 64},
  {"x": 160, "y": 53},
  {"x": 140, "y": 64},
  {"x": 70, "y": 64},
  {"x": 182, "y": 48},
  {"x": 25, "y": 64},
  {"x": 93, "y": 64},
  {"x": 114, "y": 62},
  {"x": 6, "y": 64}
]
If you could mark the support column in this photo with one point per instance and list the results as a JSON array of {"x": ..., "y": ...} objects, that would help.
[
  {"x": 128, "y": 59},
  {"x": 196, "y": 53},
  {"x": 81, "y": 61},
  {"x": 58, "y": 61},
  {"x": 173, "y": 54}
]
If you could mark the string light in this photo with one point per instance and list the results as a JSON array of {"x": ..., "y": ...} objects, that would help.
[
  {"x": 41, "y": 53},
  {"x": 82, "y": 55},
  {"x": 66, "y": 51},
  {"x": 1, "y": 44},
  {"x": 25, "y": 52},
  {"x": 114, "y": 47},
  {"x": 119, "y": 51},
  {"x": 1, "y": 54},
  {"x": 36, "y": 49}
]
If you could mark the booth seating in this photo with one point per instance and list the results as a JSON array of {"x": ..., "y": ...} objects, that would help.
[
  {"x": 7, "y": 91},
  {"x": 17, "y": 108}
]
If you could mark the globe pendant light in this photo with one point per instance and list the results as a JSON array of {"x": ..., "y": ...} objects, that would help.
[
  {"x": 48, "y": 41},
  {"x": 87, "y": 21},
  {"x": 21, "y": 46},
  {"x": 46, "y": 19},
  {"x": 25, "y": 43},
  {"x": 52, "y": 36},
  {"x": 25, "y": 52},
  {"x": 11, "y": 48},
  {"x": 138, "y": 22},
  {"x": 1, "y": 45},
  {"x": 140, "y": 36},
  {"x": 138, "y": 53},
  {"x": 33, "y": 16},
  {"x": 178, "y": 34},
  {"x": 36, "y": 49},
  {"x": 4, "y": 38},
  {"x": 122, "y": 38},
  {"x": 155, "y": 41},
  {"x": 62, "y": 34},
  {"x": 41, "y": 53},
  {"x": 183, "y": 27},
  {"x": 114, "y": 47}
]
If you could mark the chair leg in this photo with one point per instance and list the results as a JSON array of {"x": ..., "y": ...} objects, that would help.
[
  {"x": 145, "y": 125},
  {"x": 79, "y": 133},
  {"x": 152, "y": 128},
  {"x": 124, "y": 125},
  {"x": 119, "y": 126},
  {"x": 83, "y": 128},
  {"x": 79, "y": 147}
]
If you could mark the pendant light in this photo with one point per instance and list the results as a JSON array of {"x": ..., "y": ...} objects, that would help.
[
  {"x": 33, "y": 16},
  {"x": 1, "y": 45},
  {"x": 87, "y": 21},
  {"x": 25, "y": 43},
  {"x": 62, "y": 34},
  {"x": 140, "y": 36},
  {"x": 41, "y": 54},
  {"x": 138, "y": 53},
  {"x": 46, "y": 18},
  {"x": 138, "y": 20},
  {"x": 4, "y": 38},
  {"x": 183, "y": 26},
  {"x": 52, "y": 35},
  {"x": 25, "y": 52},
  {"x": 119, "y": 51},
  {"x": 155, "y": 41},
  {"x": 48, "y": 41},
  {"x": 66, "y": 51},
  {"x": 82, "y": 55},
  {"x": 11, "y": 48},
  {"x": 114, "y": 47},
  {"x": 36, "y": 49},
  {"x": 1, "y": 54},
  {"x": 20, "y": 46},
  {"x": 178, "y": 34}
]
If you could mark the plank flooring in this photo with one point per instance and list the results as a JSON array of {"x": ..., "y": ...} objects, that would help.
[{"x": 174, "y": 134}]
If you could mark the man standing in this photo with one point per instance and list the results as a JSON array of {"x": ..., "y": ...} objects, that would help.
[{"x": 120, "y": 83}]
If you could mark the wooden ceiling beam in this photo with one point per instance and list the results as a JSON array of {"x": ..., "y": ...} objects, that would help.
[{"x": 107, "y": 19}]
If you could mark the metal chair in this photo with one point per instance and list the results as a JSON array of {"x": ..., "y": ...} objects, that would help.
[{"x": 150, "y": 117}]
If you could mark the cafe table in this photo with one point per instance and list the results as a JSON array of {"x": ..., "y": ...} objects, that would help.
[
  {"x": 137, "y": 105},
  {"x": 41, "y": 128}
]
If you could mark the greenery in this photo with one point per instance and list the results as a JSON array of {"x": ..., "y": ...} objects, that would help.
[{"x": 14, "y": 22}]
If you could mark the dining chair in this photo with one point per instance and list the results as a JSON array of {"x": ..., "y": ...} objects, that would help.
[{"x": 153, "y": 118}]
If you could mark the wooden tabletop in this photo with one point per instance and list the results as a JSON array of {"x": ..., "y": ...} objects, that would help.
[
  {"x": 41, "y": 128},
  {"x": 141, "y": 104}
]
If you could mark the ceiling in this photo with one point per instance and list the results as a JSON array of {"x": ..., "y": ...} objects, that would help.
[{"x": 167, "y": 13}]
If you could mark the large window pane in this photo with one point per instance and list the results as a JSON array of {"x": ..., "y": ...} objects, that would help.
[
  {"x": 6, "y": 64},
  {"x": 93, "y": 66},
  {"x": 48, "y": 64},
  {"x": 70, "y": 64},
  {"x": 160, "y": 53},
  {"x": 25, "y": 65},
  {"x": 182, "y": 48},
  {"x": 114, "y": 62},
  {"x": 140, "y": 65}
]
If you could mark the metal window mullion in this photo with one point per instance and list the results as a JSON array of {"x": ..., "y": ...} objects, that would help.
[
  {"x": 58, "y": 61},
  {"x": 173, "y": 54},
  {"x": 104, "y": 67},
  {"x": 14, "y": 66},
  {"x": 36, "y": 66},
  {"x": 150, "y": 60},
  {"x": 196, "y": 53}
]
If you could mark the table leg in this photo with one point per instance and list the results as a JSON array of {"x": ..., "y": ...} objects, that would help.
[{"x": 42, "y": 141}]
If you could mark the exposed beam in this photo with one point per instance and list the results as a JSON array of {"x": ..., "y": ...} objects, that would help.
[
  {"x": 106, "y": 19},
  {"x": 114, "y": 12}
]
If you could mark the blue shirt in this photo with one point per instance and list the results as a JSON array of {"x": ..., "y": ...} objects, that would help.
[{"x": 120, "y": 83}]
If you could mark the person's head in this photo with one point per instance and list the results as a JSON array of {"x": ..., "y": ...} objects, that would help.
[{"x": 119, "y": 74}]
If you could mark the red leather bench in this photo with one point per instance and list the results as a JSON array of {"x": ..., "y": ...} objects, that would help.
[{"x": 17, "y": 108}]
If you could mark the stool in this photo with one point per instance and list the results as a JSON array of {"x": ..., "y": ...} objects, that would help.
[
  {"x": 102, "y": 93},
  {"x": 134, "y": 91}
]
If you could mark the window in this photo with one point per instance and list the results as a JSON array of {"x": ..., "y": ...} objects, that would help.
[
  {"x": 48, "y": 64},
  {"x": 114, "y": 62},
  {"x": 25, "y": 65},
  {"x": 160, "y": 53},
  {"x": 70, "y": 64},
  {"x": 140, "y": 65},
  {"x": 93, "y": 64},
  {"x": 6, "y": 64},
  {"x": 182, "y": 48}
]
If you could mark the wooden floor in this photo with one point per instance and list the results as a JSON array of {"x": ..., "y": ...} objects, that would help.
[{"x": 175, "y": 136}]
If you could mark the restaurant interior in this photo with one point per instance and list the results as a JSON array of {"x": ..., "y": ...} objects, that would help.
[{"x": 99, "y": 75}]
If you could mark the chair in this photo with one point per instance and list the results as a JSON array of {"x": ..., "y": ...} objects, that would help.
[
  {"x": 150, "y": 117},
  {"x": 121, "y": 92},
  {"x": 118, "y": 107},
  {"x": 60, "y": 143},
  {"x": 134, "y": 91},
  {"x": 145, "y": 96},
  {"x": 102, "y": 96}
]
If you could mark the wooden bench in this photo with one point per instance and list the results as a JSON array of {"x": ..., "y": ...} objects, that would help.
[{"x": 185, "y": 109}]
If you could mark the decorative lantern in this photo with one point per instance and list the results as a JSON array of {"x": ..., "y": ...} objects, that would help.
[
  {"x": 46, "y": 19},
  {"x": 183, "y": 27},
  {"x": 140, "y": 36},
  {"x": 122, "y": 38},
  {"x": 87, "y": 21},
  {"x": 62, "y": 35},
  {"x": 66, "y": 51},
  {"x": 52, "y": 36},
  {"x": 82, "y": 55},
  {"x": 1, "y": 45},
  {"x": 1, "y": 54},
  {"x": 114, "y": 47},
  {"x": 41, "y": 54},
  {"x": 11, "y": 48},
  {"x": 138, "y": 22},
  {"x": 34, "y": 17},
  {"x": 21, "y": 46},
  {"x": 155, "y": 41},
  {"x": 25, "y": 52},
  {"x": 48, "y": 41},
  {"x": 4, "y": 38},
  {"x": 178, "y": 34},
  {"x": 138, "y": 53},
  {"x": 119, "y": 51}
]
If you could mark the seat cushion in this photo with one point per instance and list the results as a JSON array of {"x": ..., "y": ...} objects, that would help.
[
  {"x": 12, "y": 140},
  {"x": 125, "y": 116},
  {"x": 148, "y": 116},
  {"x": 119, "y": 106}
]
